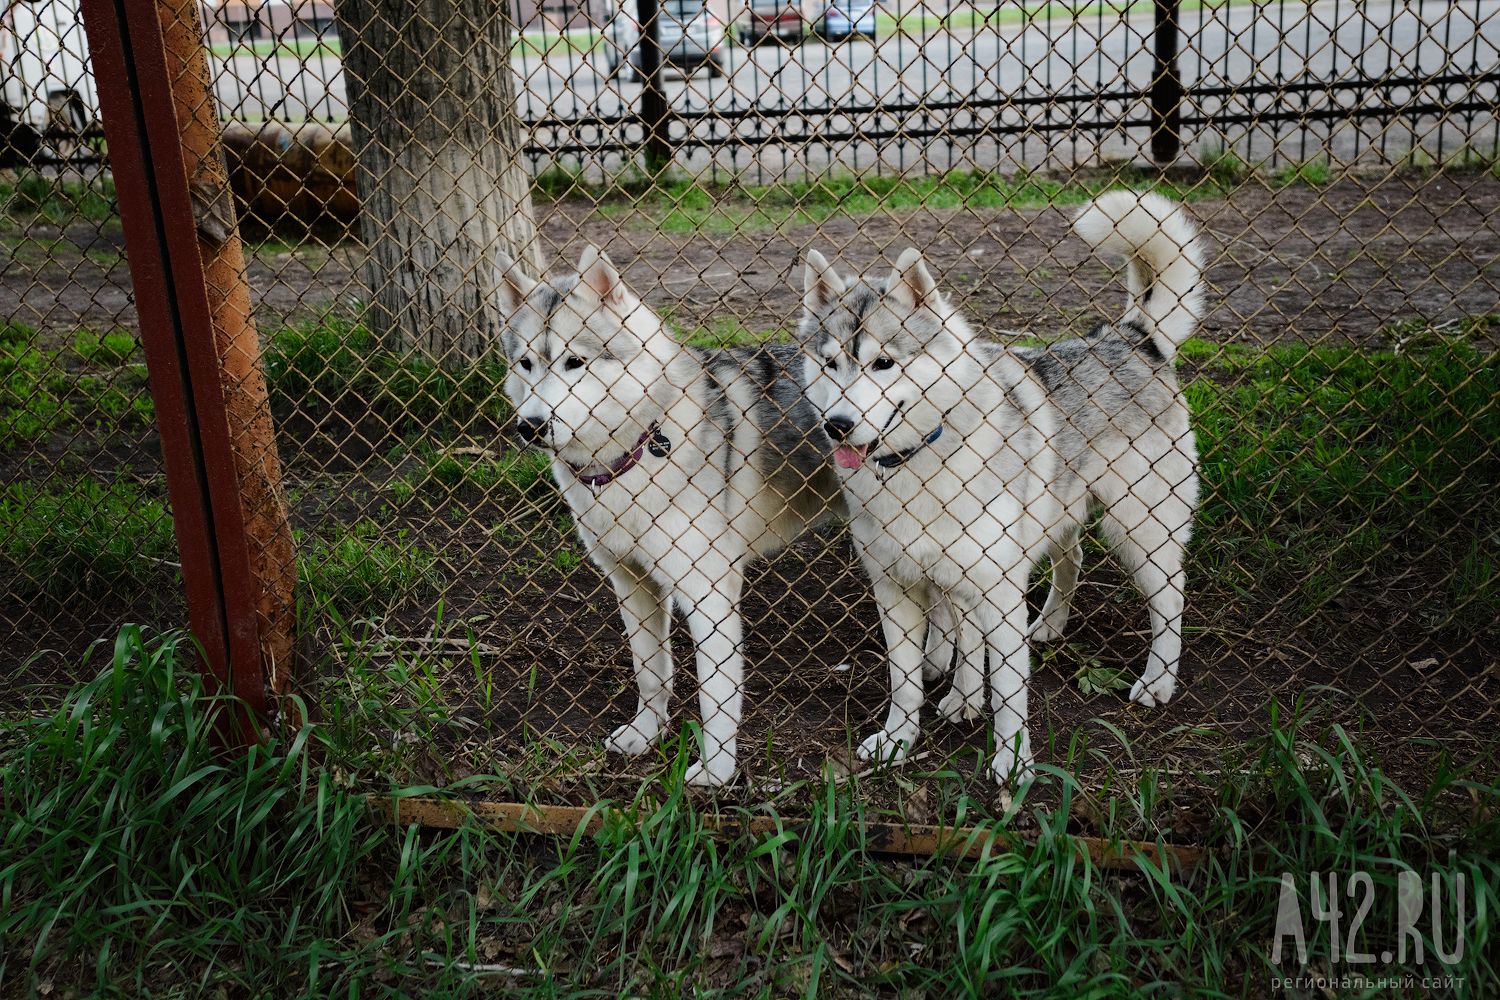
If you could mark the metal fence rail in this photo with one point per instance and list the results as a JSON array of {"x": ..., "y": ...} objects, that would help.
[{"x": 992, "y": 86}]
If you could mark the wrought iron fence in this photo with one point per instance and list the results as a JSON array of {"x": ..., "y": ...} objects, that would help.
[
  {"x": 1339, "y": 159},
  {"x": 967, "y": 86}
]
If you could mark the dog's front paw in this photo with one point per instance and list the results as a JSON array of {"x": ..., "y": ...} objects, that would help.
[
  {"x": 932, "y": 672},
  {"x": 884, "y": 747},
  {"x": 635, "y": 737},
  {"x": 1155, "y": 693},
  {"x": 958, "y": 706},
  {"x": 702, "y": 774},
  {"x": 1046, "y": 629},
  {"x": 1013, "y": 768}
]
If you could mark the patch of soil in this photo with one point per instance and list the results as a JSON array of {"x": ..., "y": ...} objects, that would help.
[
  {"x": 1336, "y": 263},
  {"x": 1340, "y": 261}
]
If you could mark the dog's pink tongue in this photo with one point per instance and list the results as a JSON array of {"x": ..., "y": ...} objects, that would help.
[{"x": 849, "y": 456}]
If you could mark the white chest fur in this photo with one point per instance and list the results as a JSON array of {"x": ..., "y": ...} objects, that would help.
[{"x": 972, "y": 509}]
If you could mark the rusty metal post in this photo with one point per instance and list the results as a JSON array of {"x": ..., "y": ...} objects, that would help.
[{"x": 202, "y": 350}]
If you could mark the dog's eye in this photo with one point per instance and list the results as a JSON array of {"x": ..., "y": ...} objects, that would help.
[
  {"x": 832, "y": 364},
  {"x": 883, "y": 364},
  {"x": 525, "y": 365},
  {"x": 573, "y": 364}
]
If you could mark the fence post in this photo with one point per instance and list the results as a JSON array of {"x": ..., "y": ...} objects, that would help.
[
  {"x": 653, "y": 100},
  {"x": 1166, "y": 87},
  {"x": 202, "y": 351}
]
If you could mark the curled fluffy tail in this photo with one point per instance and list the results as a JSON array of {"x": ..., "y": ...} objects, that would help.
[{"x": 1164, "y": 260}]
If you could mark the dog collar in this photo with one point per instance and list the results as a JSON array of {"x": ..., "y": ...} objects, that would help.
[
  {"x": 896, "y": 458},
  {"x": 651, "y": 439}
]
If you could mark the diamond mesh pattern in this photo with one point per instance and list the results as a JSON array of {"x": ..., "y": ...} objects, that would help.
[{"x": 1339, "y": 160}]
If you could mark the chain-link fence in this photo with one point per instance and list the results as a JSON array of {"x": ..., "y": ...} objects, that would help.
[{"x": 1339, "y": 380}]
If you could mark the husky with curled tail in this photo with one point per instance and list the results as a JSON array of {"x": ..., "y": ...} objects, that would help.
[
  {"x": 964, "y": 462},
  {"x": 680, "y": 466}
]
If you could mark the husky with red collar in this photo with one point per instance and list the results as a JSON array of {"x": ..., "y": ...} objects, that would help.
[
  {"x": 965, "y": 463},
  {"x": 680, "y": 466}
]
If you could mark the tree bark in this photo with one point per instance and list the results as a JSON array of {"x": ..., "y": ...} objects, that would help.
[{"x": 441, "y": 182}]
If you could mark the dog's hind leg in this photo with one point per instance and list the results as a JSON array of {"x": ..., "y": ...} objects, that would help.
[
  {"x": 1153, "y": 554},
  {"x": 942, "y": 638},
  {"x": 1067, "y": 560},
  {"x": 965, "y": 698},
  {"x": 646, "y": 610}
]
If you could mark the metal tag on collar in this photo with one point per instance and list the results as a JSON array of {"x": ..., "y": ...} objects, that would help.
[{"x": 658, "y": 443}]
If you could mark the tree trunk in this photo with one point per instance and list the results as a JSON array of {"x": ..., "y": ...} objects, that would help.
[{"x": 441, "y": 182}]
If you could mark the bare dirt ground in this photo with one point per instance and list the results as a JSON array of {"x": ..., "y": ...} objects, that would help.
[{"x": 1340, "y": 263}]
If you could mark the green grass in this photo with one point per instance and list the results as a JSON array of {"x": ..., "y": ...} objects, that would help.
[
  {"x": 111, "y": 349},
  {"x": 40, "y": 394},
  {"x": 680, "y": 204},
  {"x": 728, "y": 331},
  {"x": 510, "y": 477},
  {"x": 1314, "y": 172},
  {"x": 1225, "y": 166},
  {"x": 361, "y": 567},
  {"x": 100, "y": 538},
  {"x": 121, "y": 395},
  {"x": 1324, "y": 464},
  {"x": 973, "y": 17},
  {"x": 334, "y": 366},
  {"x": 120, "y": 402},
  {"x": 32, "y": 389},
  {"x": 31, "y": 198},
  {"x": 531, "y": 43},
  {"x": 137, "y": 860},
  {"x": 83, "y": 537},
  {"x": 552, "y": 43}
]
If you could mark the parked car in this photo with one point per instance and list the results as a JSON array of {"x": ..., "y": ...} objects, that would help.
[
  {"x": 45, "y": 79},
  {"x": 773, "y": 20},
  {"x": 843, "y": 19},
  {"x": 691, "y": 39}
]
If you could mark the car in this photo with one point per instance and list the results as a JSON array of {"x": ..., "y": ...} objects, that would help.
[
  {"x": 773, "y": 20},
  {"x": 844, "y": 19},
  {"x": 691, "y": 39}
]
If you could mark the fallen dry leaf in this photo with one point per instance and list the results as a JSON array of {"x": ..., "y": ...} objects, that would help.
[
  {"x": 917, "y": 808},
  {"x": 484, "y": 897}
]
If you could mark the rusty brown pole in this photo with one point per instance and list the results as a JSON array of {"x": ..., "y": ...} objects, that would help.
[{"x": 202, "y": 351}]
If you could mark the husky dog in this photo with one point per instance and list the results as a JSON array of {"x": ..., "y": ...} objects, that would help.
[
  {"x": 679, "y": 465},
  {"x": 964, "y": 462}
]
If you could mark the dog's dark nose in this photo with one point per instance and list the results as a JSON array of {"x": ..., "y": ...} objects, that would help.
[
  {"x": 838, "y": 427},
  {"x": 531, "y": 429}
]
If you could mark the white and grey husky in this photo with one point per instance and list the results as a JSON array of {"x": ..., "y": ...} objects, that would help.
[
  {"x": 965, "y": 462},
  {"x": 680, "y": 466}
]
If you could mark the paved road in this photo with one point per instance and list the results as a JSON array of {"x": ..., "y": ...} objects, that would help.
[{"x": 990, "y": 74}]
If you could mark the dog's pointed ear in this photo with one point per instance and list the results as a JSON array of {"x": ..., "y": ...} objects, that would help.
[
  {"x": 821, "y": 284},
  {"x": 598, "y": 275},
  {"x": 515, "y": 284},
  {"x": 911, "y": 284}
]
